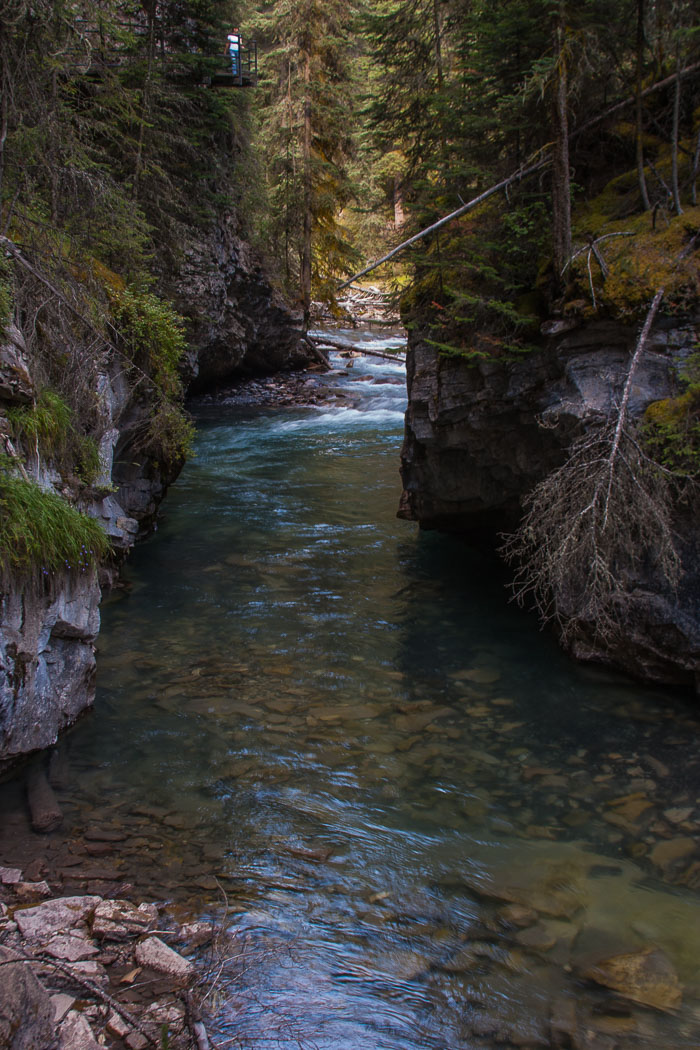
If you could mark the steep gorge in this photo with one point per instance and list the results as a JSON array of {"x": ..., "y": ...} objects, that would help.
[
  {"x": 238, "y": 325},
  {"x": 480, "y": 435}
]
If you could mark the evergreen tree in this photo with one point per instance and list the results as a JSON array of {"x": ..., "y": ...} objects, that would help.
[{"x": 305, "y": 112}]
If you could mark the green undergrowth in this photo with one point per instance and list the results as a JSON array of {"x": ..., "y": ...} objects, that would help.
[
  {"x": 41, "y": 535},
  {"x": 623, "y": 254},
  {"x": 671, "y": 426},
  {"x": 476, "y": 280},
  {"x": 47, "y": 428},
  {"x": 152, "y": 336}
]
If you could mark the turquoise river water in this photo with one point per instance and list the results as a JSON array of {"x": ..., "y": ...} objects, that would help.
[{"x": 430, "y": 829}]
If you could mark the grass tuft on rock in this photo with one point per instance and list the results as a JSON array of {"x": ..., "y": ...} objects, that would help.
[{"x": 41, "y": 534}]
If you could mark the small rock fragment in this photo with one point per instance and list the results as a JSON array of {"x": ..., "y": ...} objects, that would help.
[
  {"x": 117, "y": 1026},
  {"x": 61, "y": 1003},
  {"x": 156, "y": 955},
  {"x": 76, "y": 1034},
  {"x": 32, "y": 890},
  {"x": 135, "y": 1041}
]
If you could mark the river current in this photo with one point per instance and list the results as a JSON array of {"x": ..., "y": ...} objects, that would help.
[{"x": 420, "y": 824}]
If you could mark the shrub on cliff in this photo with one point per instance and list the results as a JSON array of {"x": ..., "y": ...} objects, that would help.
[{"x": 47, "y": 429}]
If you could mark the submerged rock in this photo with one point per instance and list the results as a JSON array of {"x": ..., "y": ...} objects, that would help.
[{"x": 645, "y": 977}]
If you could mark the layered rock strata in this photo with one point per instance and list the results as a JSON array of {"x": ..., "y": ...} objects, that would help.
[{"x": 481, "y": 434}]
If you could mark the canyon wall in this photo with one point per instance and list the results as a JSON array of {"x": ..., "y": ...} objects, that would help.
[
  {"x": 480, "y": 434},
  {"x": 237, "y": 326}
]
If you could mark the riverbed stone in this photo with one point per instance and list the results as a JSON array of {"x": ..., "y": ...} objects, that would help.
[
  {"x": 166, "y": 1013},
  {"x": 75, "y": 1033},
  {"x": 32, "y": 890},
  {"x": 678, "y": 814},
  {"x": 26, "y": 1013},
  {"x": 645, "y": 977},
  {"x": 90, "y": 970},
  {"x": 118, "y": 920},
  {"x": 55, "y": 916},
  {"x": 156, "y": 955},
  {"x": 71, "y": 947},
  {"x": 668, "y": 852}
]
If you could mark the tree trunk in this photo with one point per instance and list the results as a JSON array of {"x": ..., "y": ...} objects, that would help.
[
  {"x": 146, "y": 100},
  {"x": 305, "y": 276},
  {"x": 674, "y": 133},
  {"x": 438, "y": 43},
  {"x": 4, "y": 115},
  {"x": 399, "y": 216},
  {"x": 561, "y": 182},
  {"x": 696, "y": 171},
  {"x": 638, "y": 107}
]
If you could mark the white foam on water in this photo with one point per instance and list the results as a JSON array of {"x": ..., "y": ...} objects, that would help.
[{"x": 345, "y": 418}]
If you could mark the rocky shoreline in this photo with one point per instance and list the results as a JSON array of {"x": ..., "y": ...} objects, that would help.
[
  {"x": 82, "y": 972},
  {"x": 312, "y": 386}
]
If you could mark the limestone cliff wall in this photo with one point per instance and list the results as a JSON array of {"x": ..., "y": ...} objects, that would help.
[
  {"x": 238, "y": 326},
  {"x": 479, "y": 436}
]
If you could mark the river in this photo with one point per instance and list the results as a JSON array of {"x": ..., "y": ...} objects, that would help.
[{"x": 421, "y": 825}]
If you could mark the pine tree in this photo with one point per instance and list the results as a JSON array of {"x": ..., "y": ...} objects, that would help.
[{"x": 305, "y": 111}]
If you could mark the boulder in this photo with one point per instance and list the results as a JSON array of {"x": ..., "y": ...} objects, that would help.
[
  {"x": 156, "y": 955},
  {"x": 118, "y": 920},
  {"x": 44, "y": 921},
  {"x": 645, "y": 977},
  {"x": 26, "y": 1012}
]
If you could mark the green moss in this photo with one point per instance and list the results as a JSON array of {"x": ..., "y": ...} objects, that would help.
[
  {"x": 41, "y": 534},
  {"x": 5, "y": 295},
  {"x": 640, "y": 252},
  {"x": 671, "y": 427}
]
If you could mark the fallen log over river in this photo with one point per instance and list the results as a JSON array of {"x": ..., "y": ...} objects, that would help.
[{"x": 323, "y": 343}]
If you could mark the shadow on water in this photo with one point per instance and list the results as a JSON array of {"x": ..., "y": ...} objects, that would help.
[{"x": 431, "y": 829}]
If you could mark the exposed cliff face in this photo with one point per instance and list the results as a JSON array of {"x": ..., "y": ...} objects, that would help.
[
  {"x": 479, "y": 436},
  {"x": 238, "y": 326}
]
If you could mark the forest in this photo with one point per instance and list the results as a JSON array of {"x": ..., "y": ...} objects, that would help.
[{"x": 370, "y": 121}]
